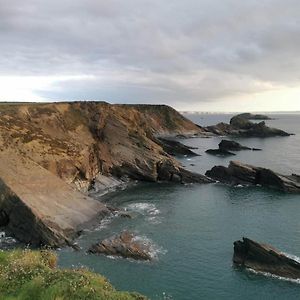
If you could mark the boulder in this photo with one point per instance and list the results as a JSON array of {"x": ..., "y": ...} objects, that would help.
[
  {"x": 264, "y": 258},
  {"x": 125, "y": 245},
  {"x": 239, "y": 173}
]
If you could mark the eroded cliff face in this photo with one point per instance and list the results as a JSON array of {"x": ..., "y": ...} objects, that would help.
[
  {"x": 78, "y": 141},
  {"x": 48, "y": 151}
]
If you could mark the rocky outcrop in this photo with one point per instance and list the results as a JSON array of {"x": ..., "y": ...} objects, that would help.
[
  {"x": 241, "y": 125},
  {"x": 264, "y": 258},
  {"x": 168, "y": 172},
  {"x": 53, "y": 155},
  {"x": 238, "y": 173},
  {"x": 225, "y": 148},
  {"x": 38, "y": 208},
  {"x": 176, "y": 148},
  {"x": 125, "y": 245},
  {"x": 232, "y": 146},
  {"x": 250, "y": 116}
]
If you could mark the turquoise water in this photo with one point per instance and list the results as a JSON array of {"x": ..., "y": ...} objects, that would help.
[{"x": 193, "y": 227}]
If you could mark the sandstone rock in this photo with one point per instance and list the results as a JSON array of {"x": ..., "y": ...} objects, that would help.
[
  {"x": 39, "y": 208},
  {"x": 239, "y": 173},
  {"x": 264, "y": 258},
  {"x": 125, "y": 245}
]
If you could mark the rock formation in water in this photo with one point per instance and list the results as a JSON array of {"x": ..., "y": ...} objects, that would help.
[
  {"x": 238, "y": 173},
  {"x": 241, "y": 125},
  {"x": 264, "y": 258},
  {"x": 125, "y": 245},
  {"x": 225, "y": 148},
  {"x": 250, "y": 116},
  {"x": 234, "y": 146},
  {"x": 52, "y": 154},
  {"x": 176, "y": 148}
]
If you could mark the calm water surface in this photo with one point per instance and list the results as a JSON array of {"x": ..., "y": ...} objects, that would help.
[{"x": 193, "y": 227}]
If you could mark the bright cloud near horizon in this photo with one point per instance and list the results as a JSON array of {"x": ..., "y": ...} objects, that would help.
[{"x": 208, "y": 55}]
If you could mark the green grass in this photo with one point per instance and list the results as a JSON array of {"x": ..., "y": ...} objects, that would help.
[{"x": 33, "y": 275}]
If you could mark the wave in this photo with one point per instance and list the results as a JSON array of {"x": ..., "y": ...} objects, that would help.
[{"x": 267, "y": 274}]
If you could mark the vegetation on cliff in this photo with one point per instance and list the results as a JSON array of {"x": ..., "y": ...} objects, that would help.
[{"x": 32, "y": 275}]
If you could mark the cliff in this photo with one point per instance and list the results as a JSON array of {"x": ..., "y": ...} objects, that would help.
[{"x": 52, "y": 154}]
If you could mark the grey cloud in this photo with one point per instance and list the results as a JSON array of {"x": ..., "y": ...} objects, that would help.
[{"x": 141, "y": 50}]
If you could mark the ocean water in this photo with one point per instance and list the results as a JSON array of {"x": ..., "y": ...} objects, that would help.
[{"x": 192, "y": 227}]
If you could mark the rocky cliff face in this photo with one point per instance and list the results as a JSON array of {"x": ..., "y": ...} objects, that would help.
[
  {"x": 78, "y": 141},
  {"x": 81, "y": 144}
]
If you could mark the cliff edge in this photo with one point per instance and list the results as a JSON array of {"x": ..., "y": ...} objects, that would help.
[{"x": 52, "y": 154}]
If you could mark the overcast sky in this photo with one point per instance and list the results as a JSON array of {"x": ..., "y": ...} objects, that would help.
[{"x": 211, "y": 55}]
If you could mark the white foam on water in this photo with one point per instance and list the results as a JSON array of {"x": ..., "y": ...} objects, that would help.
[
  {"x": 154, "y": 220},
  {"x": 154, "y": 249},
  {"x": 143, "y": 208},
  {"x": 267, "y": 274},
  {"x": 167, "y": 296},
  {"x": 104, "y": 223},
  {"x": 291, "y": 256}
]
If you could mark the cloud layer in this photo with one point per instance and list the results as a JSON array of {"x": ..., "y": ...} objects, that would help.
[{"x": 192, "y": 52}]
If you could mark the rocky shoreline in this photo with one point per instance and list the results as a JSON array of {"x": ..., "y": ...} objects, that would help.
[{"x": 56, "y": 157}]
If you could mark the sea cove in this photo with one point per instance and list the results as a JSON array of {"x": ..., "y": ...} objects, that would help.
[{"x": 193, "y": 227}]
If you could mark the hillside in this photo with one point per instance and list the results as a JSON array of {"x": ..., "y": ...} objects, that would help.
[{"x": 52, "y": 154}]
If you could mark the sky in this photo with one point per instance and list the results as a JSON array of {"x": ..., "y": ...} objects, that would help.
[{"x": 203, "y": 55}]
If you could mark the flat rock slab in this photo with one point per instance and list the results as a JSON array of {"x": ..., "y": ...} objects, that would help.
[
  {"x": 264, "y": 258},
  {"x": 125, "y": 245},
  {"x": 39, "y": 207}
]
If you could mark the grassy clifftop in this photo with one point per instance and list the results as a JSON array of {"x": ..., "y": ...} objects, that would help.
[{"x": 33, "y": 275}]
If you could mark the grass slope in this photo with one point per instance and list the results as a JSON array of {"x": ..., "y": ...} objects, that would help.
[{"x": 32, "y": 275}]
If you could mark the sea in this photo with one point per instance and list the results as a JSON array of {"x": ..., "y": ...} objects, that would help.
[{"x": 192, "y": 227}]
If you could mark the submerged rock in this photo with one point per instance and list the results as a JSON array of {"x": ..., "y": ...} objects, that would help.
[
  {"x": 125, "y": 245},
  {"x": 239, "y": 173},
  {"x": 264, "y": 258}
]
